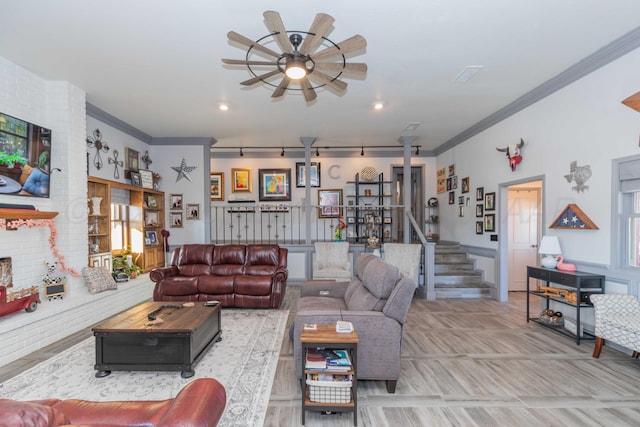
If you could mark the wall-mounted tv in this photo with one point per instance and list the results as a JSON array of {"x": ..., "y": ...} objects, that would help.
[{"x": 25, "y": 158}]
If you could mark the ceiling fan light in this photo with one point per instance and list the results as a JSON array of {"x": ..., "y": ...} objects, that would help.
[{"x": 295, "y": 69}]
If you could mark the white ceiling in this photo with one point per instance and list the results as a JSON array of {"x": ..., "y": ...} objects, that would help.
[{"x": 155, "y": 64}]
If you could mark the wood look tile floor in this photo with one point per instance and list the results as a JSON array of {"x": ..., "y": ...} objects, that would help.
[{"x": 465, "y": 363}]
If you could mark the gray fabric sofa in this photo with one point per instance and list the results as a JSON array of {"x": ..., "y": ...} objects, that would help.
[{"x": 376, "y": 301}]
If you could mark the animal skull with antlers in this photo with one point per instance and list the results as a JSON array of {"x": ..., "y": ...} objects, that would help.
[{"x": 513, "y": 153}]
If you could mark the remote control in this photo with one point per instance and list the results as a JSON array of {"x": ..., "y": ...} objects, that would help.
[{"x": 211, "y": 303}]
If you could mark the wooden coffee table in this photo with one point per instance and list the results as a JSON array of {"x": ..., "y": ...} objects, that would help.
[{"x": 127, "y": 342}]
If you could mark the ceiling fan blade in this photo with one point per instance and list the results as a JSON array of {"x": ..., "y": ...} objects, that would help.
[
  {"x": 275, "y": 25},
  {"x": 235, "y": 37},
  {"x": 319, "y": 28},
  {"x": 259, "y": 78},
  {"x": 281, "y": 87},
  {"x": 245, "y": 62},
  {"x": 352, "y": 67},
  {"x": 328, "y": 80},
  {"x": 349, "y": 45},
  {"x": 307, "y": 90}
]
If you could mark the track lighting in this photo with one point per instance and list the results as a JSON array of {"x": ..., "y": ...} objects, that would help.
[
  {"x": 417, "y": 150},
  {"x": 241, "y": 153},
  {"x": 362, "y": 151},
  {"x": 317, "y": 152},
  {"x": 282, "y": 152}
]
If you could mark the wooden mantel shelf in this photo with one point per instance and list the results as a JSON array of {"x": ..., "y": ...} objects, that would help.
[{"x": 26, "y": 214}]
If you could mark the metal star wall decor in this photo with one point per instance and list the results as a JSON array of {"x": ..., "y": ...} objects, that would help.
[{"x": 183, "y": 170}]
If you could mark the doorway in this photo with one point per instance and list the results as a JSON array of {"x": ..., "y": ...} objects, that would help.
[
  {"x": 523, "y": 231},
  {"x": 417, "y": 201},
  {"x": 521, "y": 219}
]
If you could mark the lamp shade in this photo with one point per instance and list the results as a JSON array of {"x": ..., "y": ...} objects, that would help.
[{"x": 549, "y": 246}]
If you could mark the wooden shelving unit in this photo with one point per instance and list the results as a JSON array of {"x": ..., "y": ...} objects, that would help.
[
  {"x": 11, "y": 214},
  {"x": 99, "y": 225}
]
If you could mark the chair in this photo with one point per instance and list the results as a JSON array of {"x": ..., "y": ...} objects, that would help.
[
  {"x": 617, "y": 320},
  {"x": 376, "y": 301},
  {"x": 406, "y": 257},
  {"x": 332, "y": 261}
]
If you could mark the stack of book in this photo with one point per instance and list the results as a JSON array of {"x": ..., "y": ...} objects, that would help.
[{"x": 328, "y": 360}]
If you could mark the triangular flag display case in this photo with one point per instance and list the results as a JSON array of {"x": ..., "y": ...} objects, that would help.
[{"x": 572, "y": 218}]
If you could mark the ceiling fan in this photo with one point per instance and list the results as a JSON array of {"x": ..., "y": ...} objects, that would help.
[{"x": 299, "y": 62}]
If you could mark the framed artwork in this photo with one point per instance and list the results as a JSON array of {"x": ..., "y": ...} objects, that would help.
[
  {"x": 387, "y": 220},
  {"x": 176, "y": 219},
  {"x": 351, "y": 220},
  {"x": 314, "y": 174},
  {"x": 216, "y": 185},
  {"x": 241, "y": 180},
  {"x": 480, "y": 194},
  {"x": 452, "y": 197},
  {"x": 135, "y": 179},
  {"x": 175, "y": 202},
  {"x": 441, "y": 178},
  {"x": 133, "y": 162},
  {"x": 490, "y": 202},
  {"x": 193, "y": 211},
  {"x": 490, "y": 222},
  {"x": 151, "y": 218},
  {"x": 151, "y": 238},
  {"x": 479, "y": 227},
  {"x": 452, "y": 169},
  {"x": 449, "y": 183},
  {"x": 329, "y": 202},
  {"x": 275, "y": 184},
  {"x": 479, "y": 210},
  {"x": 461, "y": 200},
  {"x": 454, "y": 182},
  {"x": 461, "y": 210},
  {"x": 465, "y": 185},
  {"x": 146, "y": 178},
  {"x": 151, "y": 201}
]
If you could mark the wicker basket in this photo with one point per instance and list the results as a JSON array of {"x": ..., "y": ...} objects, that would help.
[{"x": 329, "y": 391}]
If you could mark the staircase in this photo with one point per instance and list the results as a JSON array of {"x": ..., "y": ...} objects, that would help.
[{"x": 455, "y": 276}]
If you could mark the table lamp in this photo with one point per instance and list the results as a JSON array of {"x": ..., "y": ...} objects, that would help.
[{"x": 549, "y": 247}]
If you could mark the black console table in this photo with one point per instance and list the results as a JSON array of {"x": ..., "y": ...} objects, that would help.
[{"x": 582, "y": 284}]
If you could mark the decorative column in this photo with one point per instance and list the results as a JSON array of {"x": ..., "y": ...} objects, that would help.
[{"x": 307, "y": 141}]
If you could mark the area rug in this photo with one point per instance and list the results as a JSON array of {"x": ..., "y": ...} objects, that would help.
[{"x": 244, "y": 362}]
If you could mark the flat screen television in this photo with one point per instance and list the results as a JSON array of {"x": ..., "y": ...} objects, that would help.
[{"x": 25, "y": 158}]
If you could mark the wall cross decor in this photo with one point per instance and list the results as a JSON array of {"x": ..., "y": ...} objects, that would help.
[
  {"x": 97, "y": 143},
  {"x": 146, "y": 159},
  {"x": 114, "y": 161},
  {"x": 183, "y": 170}
]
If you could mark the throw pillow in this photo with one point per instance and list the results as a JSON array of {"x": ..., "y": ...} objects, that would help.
[
  {"x": 37, "y": 183},
  {"x": 29, "y": 414},
  {"x": 98, "y": 279},
  {"x": 26, "y": 171}
]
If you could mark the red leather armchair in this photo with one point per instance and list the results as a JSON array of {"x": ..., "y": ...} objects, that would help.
[{"x": 199, "y": 404}]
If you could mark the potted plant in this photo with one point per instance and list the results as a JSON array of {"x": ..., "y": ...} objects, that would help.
[
  {"x": 10, "y": 160},
  {"x": 126, "y": 262}
]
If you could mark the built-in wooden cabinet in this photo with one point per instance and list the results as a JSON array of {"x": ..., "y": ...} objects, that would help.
[{"x": 146, "y": 219}]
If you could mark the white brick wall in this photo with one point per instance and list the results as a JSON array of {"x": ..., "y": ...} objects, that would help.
[{"x": 60, "y": 107}]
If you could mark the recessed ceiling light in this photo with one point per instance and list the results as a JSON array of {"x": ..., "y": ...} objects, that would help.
[
  {"x": 223, "y": 106},
  {"x": 467, "y": 73},
  {"x": 378, "y": 105}
]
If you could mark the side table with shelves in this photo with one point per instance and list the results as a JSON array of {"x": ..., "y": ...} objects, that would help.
[
  {"x": 325, "y": 336},
  {"x": 575, "y": 283}
]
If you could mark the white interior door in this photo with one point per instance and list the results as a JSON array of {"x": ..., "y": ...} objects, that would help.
[{"x": 523, "y": 234}]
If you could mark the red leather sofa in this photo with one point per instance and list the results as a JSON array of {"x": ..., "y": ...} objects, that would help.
[
  {"x": 248, "y": 276},
  {"x": 199, "y": 404}
]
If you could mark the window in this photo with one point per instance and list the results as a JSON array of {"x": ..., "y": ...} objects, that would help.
[
  {"x": 626, "y": 236},
  {"x": 119, "y": 227},
  {"x": 633, "y": 231}
]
